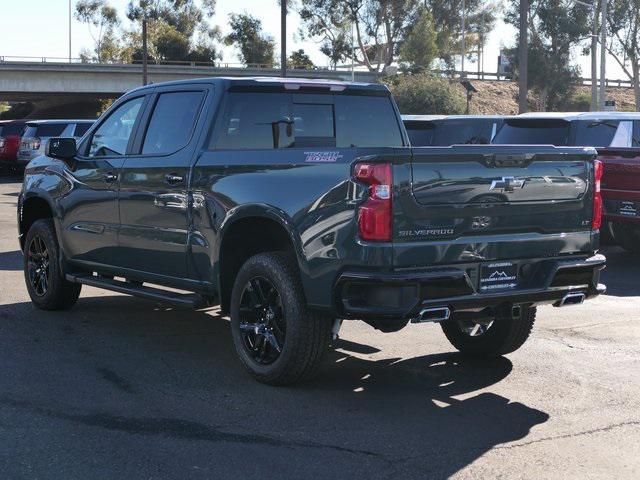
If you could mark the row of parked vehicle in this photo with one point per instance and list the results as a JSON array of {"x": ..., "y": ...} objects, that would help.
[
  {"x": 615, "y": 135},
  {"x": 23, "y": 140}
]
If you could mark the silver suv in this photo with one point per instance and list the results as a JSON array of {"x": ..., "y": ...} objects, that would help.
[{"x": 38, "y": 132}]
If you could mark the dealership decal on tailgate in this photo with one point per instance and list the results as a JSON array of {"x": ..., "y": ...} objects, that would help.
[
  {"x": 628, "y": 208},
  {"x": 498, "y": 276}
]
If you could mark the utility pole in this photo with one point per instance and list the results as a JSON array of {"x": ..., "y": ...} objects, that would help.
[
  {"x": 594, "y": 59},
  {"x": 145, "y": 53},
  {"x": 353, "y": 52},
  {"x": 69, "y": 31},
  {"x": 523, "y": 47},
  {"x": 283, "y": 35},
  {"x": 603, "y": 54},
  {"x": 464, "y": 35},
  {"x": 594, "y": 53}
]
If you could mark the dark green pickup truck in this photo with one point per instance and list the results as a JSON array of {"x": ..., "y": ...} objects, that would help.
[{"x": 294, "y": 204}]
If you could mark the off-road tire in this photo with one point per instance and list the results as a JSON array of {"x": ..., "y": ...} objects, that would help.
[
  {"x": 60, "y": 293},
  {"x": 506, "y": 335},
  {"x": 308, "y": 332}
]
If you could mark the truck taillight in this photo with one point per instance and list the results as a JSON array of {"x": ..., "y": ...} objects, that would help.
[
  {"x": 375, "y": 215},
  {"x": 597, "y": 195}
]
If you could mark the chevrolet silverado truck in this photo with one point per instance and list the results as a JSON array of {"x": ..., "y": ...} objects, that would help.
[
  {"x": 621, "y": 194},
  {"x": 295, "y": 204},
  {"x": 616, "y": 136}
]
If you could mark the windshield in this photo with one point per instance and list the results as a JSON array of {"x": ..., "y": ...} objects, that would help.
[
  {"x": 533, "y": 132},
  {"x": 460, "y": 132}
]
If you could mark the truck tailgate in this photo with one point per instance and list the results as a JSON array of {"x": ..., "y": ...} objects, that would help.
[
  {"x": 476, "y": 203},
  {"x": 621, "y": 183}
]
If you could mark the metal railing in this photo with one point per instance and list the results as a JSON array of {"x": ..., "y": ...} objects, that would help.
[
  {"x": 185, "y": 63},
  {"x": 469, "y": 74}
]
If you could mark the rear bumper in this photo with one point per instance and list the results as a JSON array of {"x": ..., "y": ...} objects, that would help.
[{"x": 392, "y": 295}]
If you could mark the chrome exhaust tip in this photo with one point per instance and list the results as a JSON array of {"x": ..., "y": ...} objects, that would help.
[
  {"x": 572, "y": 298},
  {"x": 433, "y": 314}
]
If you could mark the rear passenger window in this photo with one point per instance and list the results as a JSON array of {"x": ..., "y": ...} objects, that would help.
[
  {"x": 256, "y": 121},
  {"x": 172, "y": 122}
]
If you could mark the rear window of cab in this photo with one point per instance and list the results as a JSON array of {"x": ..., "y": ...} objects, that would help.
[{"x": 256, "y": 121}]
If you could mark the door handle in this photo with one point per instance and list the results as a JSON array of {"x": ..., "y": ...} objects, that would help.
[
  {"x": 110, "y": 177},
  {"x": 172, "y": 178}
]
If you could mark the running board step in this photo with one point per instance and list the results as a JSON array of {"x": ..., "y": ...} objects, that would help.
[{"x": 138, "y": 290}]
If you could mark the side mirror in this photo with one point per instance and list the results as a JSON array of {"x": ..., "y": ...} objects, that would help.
[{"x": 62, "y": 148}]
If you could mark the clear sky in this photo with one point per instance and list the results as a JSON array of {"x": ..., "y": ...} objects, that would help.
[{"x": 39, "y": 28}]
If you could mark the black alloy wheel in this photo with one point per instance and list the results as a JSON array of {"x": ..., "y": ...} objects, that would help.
[
  {"x": 262, "y": 324},
  {"x": 38, "y": 258}
]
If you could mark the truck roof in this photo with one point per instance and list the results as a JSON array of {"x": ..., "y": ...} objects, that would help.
[
  {"x": 289, "y": 83},
  {"x": 59, "y": 120},
  {"x": 574, "y": 116},
  {"x": 431, "y": 118}
]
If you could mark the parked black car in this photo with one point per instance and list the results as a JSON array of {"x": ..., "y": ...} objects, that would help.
[{"x": 294, "y": 204}]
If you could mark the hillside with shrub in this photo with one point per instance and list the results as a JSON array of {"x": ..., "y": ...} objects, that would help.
[{"x": 425, "y": 94}]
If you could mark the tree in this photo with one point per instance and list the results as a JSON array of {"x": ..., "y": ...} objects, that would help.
[
  {"x": 299, "y": 59},
  {"x": 624, "y": 25},
  {"x": 419, "y": 48},
  {"x": 555, "y": 27},
  {"x": 177, "y": 29},
  {"x": 102, "y": 19},
  {"x": 480, "y": 18},
  {"x": 378, "y": 28},
  {"x": 255, "y": 47}
]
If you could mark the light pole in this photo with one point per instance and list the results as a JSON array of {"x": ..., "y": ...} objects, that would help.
[
  {"x": 69, "y": 31},
  {"x": 594, "y": 53},
  {"x": 283, "y": 34},
  {"x": 464, "y": 35},
  {"x": 524, "y": 57},
  {"x": 603, "y": 54}
]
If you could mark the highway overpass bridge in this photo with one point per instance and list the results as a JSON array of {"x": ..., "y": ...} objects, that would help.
[{"x": 47, "y": 83}]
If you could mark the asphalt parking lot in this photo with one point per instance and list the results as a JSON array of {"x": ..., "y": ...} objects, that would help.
[{"x": 122, "y": 388}]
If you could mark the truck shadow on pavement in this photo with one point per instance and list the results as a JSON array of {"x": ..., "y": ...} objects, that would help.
[
  {"x": 621, "y": 273},
  {"x": 423, "y": 417},
  {"x": 11, "y": 261}
]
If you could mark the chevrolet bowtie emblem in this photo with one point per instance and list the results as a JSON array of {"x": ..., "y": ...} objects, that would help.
[{"x": 508, "y": 184}]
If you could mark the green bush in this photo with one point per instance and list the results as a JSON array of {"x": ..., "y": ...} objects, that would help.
[
  {"x": 424, "y": 94},
  {"x": 577, "y": 101}
]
